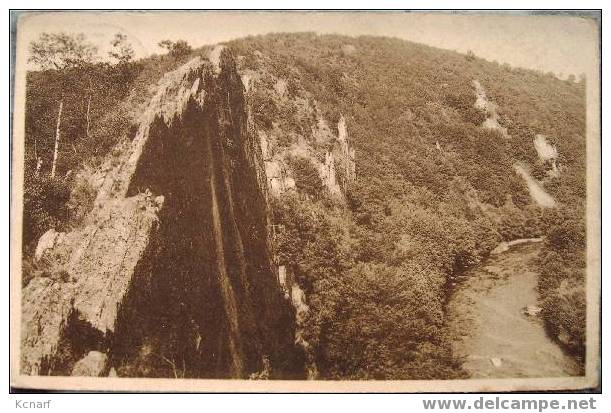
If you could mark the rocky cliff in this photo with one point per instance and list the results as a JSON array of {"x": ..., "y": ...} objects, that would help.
[{"x": 171, "y": 274}]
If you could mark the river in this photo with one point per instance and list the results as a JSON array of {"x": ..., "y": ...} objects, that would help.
[{"x": 489, "y": 325}]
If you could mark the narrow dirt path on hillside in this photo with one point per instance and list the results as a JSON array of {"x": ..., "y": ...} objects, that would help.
[{"x": 486, "y": 317}]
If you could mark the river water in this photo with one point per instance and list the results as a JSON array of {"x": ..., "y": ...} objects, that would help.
[{"x": 491, "y": 330}]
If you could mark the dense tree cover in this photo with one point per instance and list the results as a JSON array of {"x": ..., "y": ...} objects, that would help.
[
  {"x": 562, "y": 280},
  {"x": 377, "y": 293},
  {"x": 435, "y": 192}
]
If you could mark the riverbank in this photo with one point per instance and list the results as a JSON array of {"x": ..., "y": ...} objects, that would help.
[{"x": 494, "y": 321}]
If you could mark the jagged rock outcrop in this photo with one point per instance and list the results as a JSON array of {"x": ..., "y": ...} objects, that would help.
[
  {"x": 536, "y": 190},
  {"x": 75, "y": 309},
  {"x": 547, "y": 154},
  {"x": 294, "y": 294},
  {"x": 337, "y": 171},
  {"x": 339, "y": 168},
  {"x": 295, "y": 127},
  {"x": 93, "y": 364},
  {"x": 345, "y": 153},
  {"x": 328, "y": 175},
  {"x": 171, "y": 273},
  {"x": 545, "y": 151},
  {"x": 277, "y": 176},
  {"x": 489, "y": 108}
]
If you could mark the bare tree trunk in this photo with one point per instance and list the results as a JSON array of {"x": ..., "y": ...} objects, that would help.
[
  {"x": 59, "y": 121},
  {"x": 38, "y": 166},
  {"x": 88, "y": 108},
  {"x": 38, "y": 160}
]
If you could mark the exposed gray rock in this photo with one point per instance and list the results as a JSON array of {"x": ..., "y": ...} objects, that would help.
[
  {"x": 93, "y": 364},
  {"x": 46, "y": 242},
  {"x": 532, "y": 310},
  {"x": 496, "y": 361}
]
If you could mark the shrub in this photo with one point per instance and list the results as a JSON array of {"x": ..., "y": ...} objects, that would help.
[
  {"x": 44, "y": 207},
  {"x": 562, "y": 280},
  {"x": 305, "y": 173},
  {"x": 179, "y": 48},
  {"x": 82, "y": 196},
  {"x": 564, "y": 312}
]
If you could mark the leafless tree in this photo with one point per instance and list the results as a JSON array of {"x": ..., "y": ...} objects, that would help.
[{"x": 60, "y": 51}]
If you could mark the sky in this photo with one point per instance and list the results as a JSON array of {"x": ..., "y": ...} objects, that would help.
[{"x": 563, "y": 45}]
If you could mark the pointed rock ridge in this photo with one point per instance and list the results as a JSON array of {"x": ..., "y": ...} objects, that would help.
[
  {"x": 174, "y": 261},
  {"x": 297, "y": 297},
  {"x": 327, "y": 175},
  {"x": 340, "y": 157},
  {"x": 490, "y": 108},
  {"x": 335, "y": 163},
  {"x": 345, "y": 153},
  {"x": 342, "y": 132},
  {"x": 280, "y": 177},
  {"x": 173, "y": 92},
  {"x": 215, "y": 58},
  {"x": 535, "y": 189}
]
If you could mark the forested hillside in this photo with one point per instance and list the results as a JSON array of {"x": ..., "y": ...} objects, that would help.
[
  {"x": 433, "y": 164},
  {"x": 435, "y": 191}
]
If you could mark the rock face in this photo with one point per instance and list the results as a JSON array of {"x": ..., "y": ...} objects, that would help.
[
  {"x": 535, "y": 188},
  {"x": 296, "y": 296},
  {"x": 75, "y": 309},
  {"x": 46, "y": 242},
  {"x": 547, "y": 154},
  {"x": 277, "y": 177},
  {"x": 490, "y": 108},
  {"x": 171, "y": 274},
  {"x": 93, "y": 364},
  {"x": 337, "y": 171},
  {"x": 302, "y": 132}
]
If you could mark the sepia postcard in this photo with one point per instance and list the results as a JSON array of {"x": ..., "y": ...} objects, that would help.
[{"x": 313, "y": 201}]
